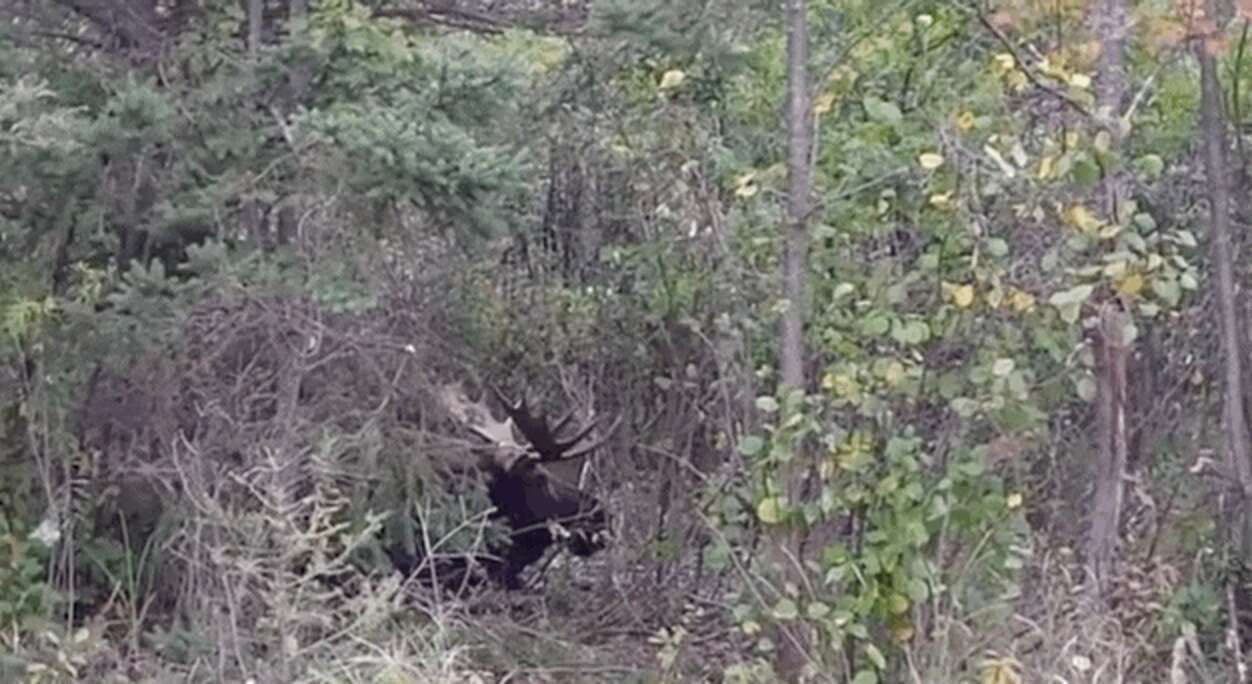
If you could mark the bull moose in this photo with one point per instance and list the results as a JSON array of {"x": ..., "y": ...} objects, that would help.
[{"x": 536, "y": 505}]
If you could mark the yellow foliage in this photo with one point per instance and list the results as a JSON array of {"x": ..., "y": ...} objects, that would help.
[
  {"x": 745, "y": 185},
  {"x": 824, "y": 103},
  {"x": 1046, "y": 167},
  {"x": 1021, "y": 302},
  {"x": 1000, "y": 671},
  {"x": 1130, "y": 284},
  {"x": 1083, "y": 219},
  {"x": 960, "y": 295},
  {"x": 672, "y": 79}
]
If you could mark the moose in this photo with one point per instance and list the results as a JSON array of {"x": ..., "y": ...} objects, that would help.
[{"x": 535, "y": 505}]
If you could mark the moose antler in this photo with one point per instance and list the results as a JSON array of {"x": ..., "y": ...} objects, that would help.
[
  {"x": 543, "y": 437},
  {"x": 478, "y": 419}
]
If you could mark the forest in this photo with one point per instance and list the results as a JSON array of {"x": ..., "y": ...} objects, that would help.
[{"x": 645, "y": 341}]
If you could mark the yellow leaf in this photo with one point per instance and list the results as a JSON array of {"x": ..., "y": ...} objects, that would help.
[
  {"x": 941, "y": 200},
  {"x": 1082, "y": 81},
  {"x": 842, "y": 385},
  {"x": 1017, "y": 81},
  {"x": 1021, "y": 302},
  {"x": 930, "y": 161},
  {"x": 1000, "y": 671},
  {"x": 961, "y": 295},
  {"x": 824, "y": 104},
  {"x": 1005, "y": 62},
  {"x": 1013, "y": 501},
  {"x": 965, "y": 120},
  {"x": 1049, "y": 68},
  {"x": 1081, "y": 218},
  {"x": 1130, "y": 284},
  {"x": 745, "y": 185},
  {"x": 903, "y": 632},
  {"x": 1046, "y": 167},
  {"x": 672, "y": 79}
]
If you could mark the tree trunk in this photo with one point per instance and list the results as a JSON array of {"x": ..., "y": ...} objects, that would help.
[
  {"x": 1234, "y": 425},
  {"x": 793, "y": 644},
  {"x": 799, "y": 184},
  {"x": 1112, "y": 351},
  {"x": 1110, "y": 23},
  {"x": 299, "y": 77},
  {"x": 254, "y": 10}
]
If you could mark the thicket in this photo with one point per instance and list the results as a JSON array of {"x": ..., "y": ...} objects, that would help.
[{"x": 243, "y": 245}]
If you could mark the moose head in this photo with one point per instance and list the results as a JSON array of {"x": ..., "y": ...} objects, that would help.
[{"x": 537, "y": 505}]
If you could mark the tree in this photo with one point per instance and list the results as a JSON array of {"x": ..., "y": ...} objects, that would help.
[
  {"x": 1111, "y": 333},
  {"x": 799, "y": 117},
  {"x": 1235, "y": 439}
]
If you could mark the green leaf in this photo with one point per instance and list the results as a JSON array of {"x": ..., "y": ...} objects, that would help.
[
  {"x": 1085, "y": 171},
  {"x": 1075, "y": 295},
  {"x": 876, "y": 325},
  {"x": 865, "y": 677},
  {"x": 1186, "y": 238},
  {"x": 1002, "y": 367},
  {"x": 786, "y": 610},
  {"x": 964, "y": 407},
  {"x": 769, "y": 511},
  {"x": 912, "y": 332},
  {"x": 751, "y": 445},
  {"x": 767, "y": 404},
  {"x": 1167, "y": 289},
  {"x": 881, "y": 110},
  {"x": 1145, "y": 222},
  {"x": 1069, "y": 302},
  {"x": 1150, "y": 165},
  {"x": 816, "y": 610},
  {"x": 875, "y": 656}
]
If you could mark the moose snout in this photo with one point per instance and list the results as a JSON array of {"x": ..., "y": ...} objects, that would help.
[
  {"x": 583, "y": 544},
  {"x": 590, "y": 538}
]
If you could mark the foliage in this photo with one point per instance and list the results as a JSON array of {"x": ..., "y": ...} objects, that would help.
[
  {"x": 27, "y": 593},
  {"x": 237, "y": 275}
]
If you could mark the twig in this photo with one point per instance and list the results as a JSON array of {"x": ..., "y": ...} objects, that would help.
[
  {"x": 1233, "y": 638},
  {"x": 1030, "y": 74}
]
